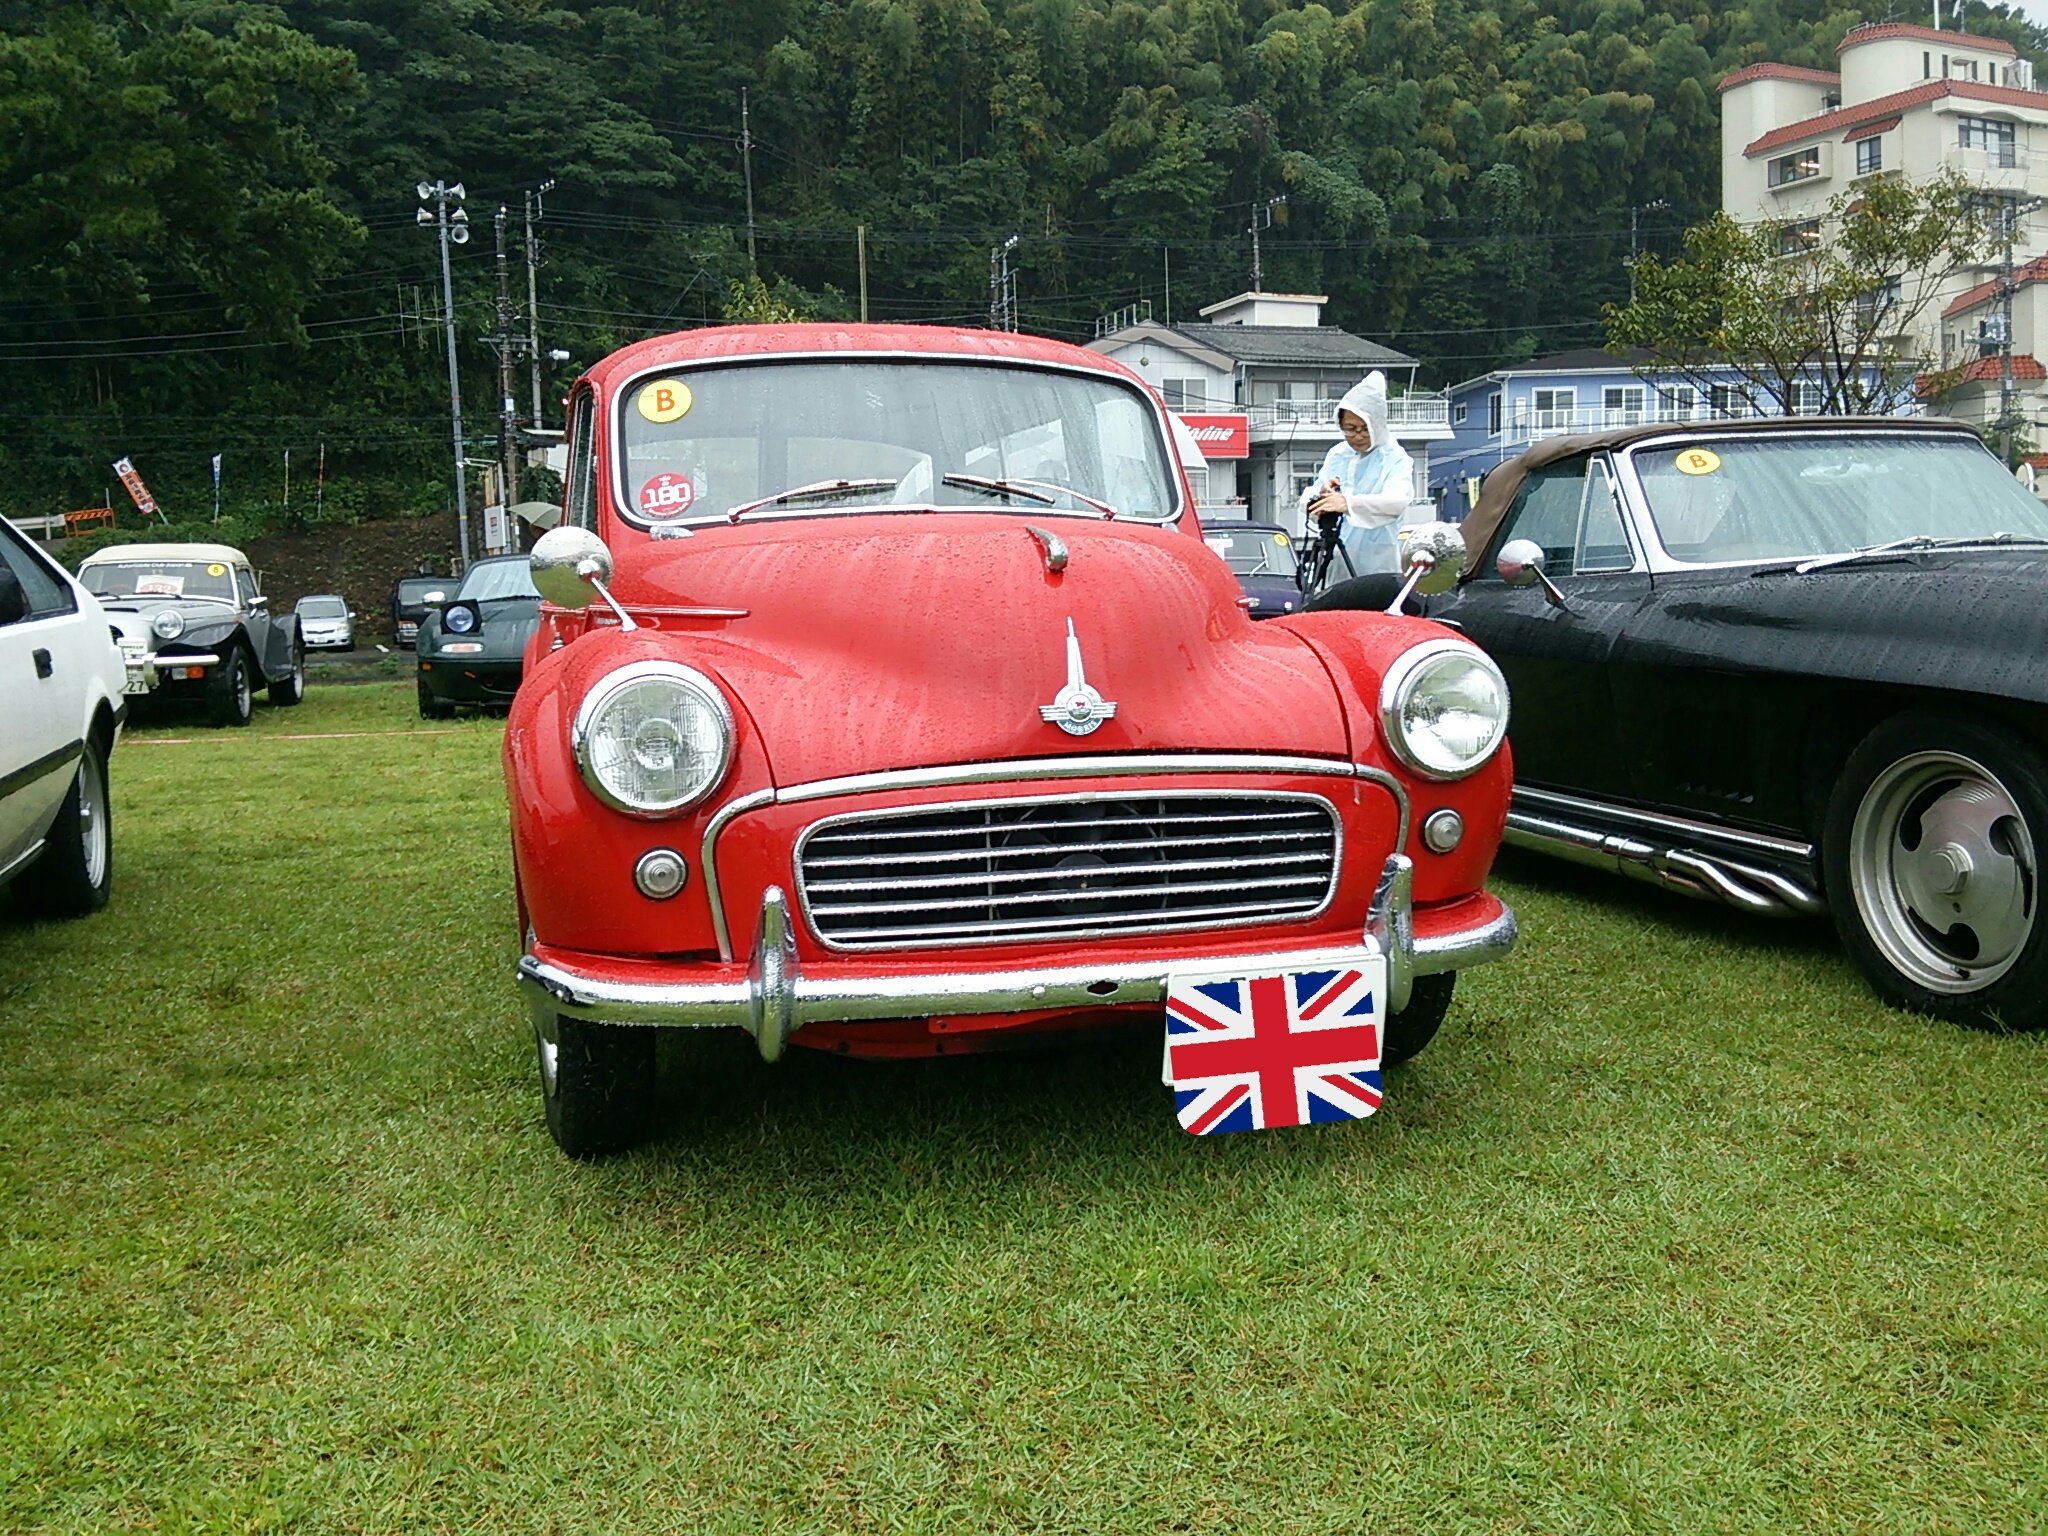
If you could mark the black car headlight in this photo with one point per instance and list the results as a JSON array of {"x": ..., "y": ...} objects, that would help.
[
  {"x": 653, "y": 738},
  {"x": 1444, "y": 708}
]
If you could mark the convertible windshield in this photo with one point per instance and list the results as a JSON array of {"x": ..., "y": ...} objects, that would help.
[
  {"x": 161, "y": 578},
  {"x": 1252, "y": 551},
  {"x": 1765, "y": 498},
  {"x": 702, "y": 442},
  {"x": 490, "y": 580}
]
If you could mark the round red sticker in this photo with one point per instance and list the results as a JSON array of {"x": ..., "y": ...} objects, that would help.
[{"x": 667, "y": 495}]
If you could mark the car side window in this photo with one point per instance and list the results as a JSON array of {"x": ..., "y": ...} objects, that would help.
[
  {"x": 581, "y": 511},
  {"x": 246, "y": 579},
  {"x": 40, "y": 586},
  {"x": 1603, "y": 540},
  {"x": 1547, "y": 509}
]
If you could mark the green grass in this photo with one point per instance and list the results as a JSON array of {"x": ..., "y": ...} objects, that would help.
[{"x": 1672, "y": 1229}]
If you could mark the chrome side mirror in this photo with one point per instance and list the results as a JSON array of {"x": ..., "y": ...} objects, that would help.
[
  {"x": 1520, "y": 564},
  {"x": 1431, "y": 555},
  {"x": 570, "y": 566}
]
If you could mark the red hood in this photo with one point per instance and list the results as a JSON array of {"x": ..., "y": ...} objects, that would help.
[{"x": 907, "y": 640}]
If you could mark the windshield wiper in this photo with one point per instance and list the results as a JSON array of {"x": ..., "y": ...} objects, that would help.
[
  {"x": 1029, "y": 490},
  {"x": 1913, "y": 542},
  {"x": 817, "y": 490}
]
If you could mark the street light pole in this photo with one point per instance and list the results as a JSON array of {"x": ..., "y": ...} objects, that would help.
[
  {"x": 1633, "y": 210},
  {"x": 452, "y": 227}
]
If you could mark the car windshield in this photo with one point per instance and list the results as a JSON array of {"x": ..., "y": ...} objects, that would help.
[
  {"x": 322, "y": 608},
  {"x": 701, "y": 442},
  {"x": 491, "y": 581},
  {"x": 414, "y": 590},
  {"x": 161, "y": 578},
  {"x": 1252, "y": 551},
  {"x": 1764, "y": 498}
]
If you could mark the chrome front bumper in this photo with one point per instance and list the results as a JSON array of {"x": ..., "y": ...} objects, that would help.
[{"x": 776, "y": 998}]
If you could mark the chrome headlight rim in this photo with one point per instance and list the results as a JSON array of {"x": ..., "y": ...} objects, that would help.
[
  {"x": 167, "y": 624},
  {"x": 583, "y": 727},
  {"x": 1397, "y": 685}
]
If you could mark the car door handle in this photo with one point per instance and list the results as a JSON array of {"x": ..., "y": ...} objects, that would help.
[{"x": 42, "y": 658}]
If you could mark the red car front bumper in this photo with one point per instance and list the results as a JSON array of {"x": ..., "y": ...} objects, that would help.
[{"x": 773, "y": 997}]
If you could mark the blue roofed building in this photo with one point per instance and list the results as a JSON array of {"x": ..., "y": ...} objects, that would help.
[{"x": 1499, "y": 414}]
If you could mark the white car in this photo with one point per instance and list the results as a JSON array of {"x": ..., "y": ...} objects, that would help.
[
  {"x": 61, "y": 680},
  {"x": 327, "y": 622}
]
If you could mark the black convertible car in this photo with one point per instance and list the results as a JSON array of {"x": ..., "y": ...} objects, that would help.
[
  {"x": 473, "y": 647},
  {"x": 1794, "y": 666}
]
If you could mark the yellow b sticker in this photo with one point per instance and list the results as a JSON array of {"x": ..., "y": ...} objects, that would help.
[
  {"x": 1280, "y": 539},
  {"x": 1698, "y": 461},
  {"x": 665, "y": 400},
  {"x": 216, "y": 570}
]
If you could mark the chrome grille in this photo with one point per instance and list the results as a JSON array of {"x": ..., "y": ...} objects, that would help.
[{"x": 993, "y": 871}]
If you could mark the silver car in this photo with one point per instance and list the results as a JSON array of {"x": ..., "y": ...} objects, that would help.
[{"x": 327, "y": 622}]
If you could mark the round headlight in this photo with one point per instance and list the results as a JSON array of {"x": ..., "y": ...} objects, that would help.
[
  {"x": 653, "y": 738},
  {"x": 1444, "y": 708},
  {"x": 168, "y": 624},
  {"x": 458, "y": 621}
]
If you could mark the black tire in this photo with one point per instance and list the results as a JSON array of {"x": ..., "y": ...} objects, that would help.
[
  {"x": 1931, "y": 854},
  {"x": 74, "y": 874},
  {"x": 433, "y": 707},
  {"x": 597, "y": 1083},
  {"x": 290, "y": 689},
  {"x": 1407, "y": 1032},
  {"x": 230, "y": 698}
]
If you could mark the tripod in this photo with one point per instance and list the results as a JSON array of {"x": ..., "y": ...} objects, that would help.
[{"x": 1312, "y": 560}]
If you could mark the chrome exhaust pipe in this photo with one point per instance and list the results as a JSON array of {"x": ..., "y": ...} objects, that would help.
[{"x": 1689, "y": 871}]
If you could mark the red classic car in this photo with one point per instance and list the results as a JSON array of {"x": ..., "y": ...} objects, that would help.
[{"x": 887, "y": 701}]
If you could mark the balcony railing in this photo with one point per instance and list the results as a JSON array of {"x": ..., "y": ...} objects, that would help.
[
  {"x": 1528, "y": 424},
  {"x": 1415, "y": 409}
]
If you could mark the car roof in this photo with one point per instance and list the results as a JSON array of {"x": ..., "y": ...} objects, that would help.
[
  {"x": 114, "y": 554},
  {"x": 1497, "y": 494},
  {"x": 753, "y": 342}
]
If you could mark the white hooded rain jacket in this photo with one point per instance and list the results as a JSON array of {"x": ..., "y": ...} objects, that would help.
[{"x": 1377, "y": 485}]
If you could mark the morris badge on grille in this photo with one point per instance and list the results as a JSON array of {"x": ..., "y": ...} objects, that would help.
[{"x": 1077, "y": 708}]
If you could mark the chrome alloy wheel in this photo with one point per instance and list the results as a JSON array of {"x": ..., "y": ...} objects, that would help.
[
  {"x": 244, "y": 694},
  {"x": 92, "y": 817},
  {"x": 547, "y": 1046},
  {"x": 1944, "y": 872}
]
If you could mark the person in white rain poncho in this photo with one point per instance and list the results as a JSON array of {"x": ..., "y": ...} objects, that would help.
[{"x": 1368, "y": 479}]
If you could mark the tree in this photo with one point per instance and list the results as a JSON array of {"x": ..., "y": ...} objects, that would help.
[{"x": 1836, "y": 300}]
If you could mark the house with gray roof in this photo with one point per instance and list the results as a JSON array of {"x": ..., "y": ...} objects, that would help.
[{"x": 1257, "y": 380}]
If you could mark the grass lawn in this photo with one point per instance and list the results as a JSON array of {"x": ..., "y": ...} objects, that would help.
[{"x": 1672, "y": 1229}]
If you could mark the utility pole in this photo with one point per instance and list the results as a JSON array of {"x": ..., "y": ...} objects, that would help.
[
  {"x": 860, "y": 240},
  {"x": 747, "y": 161},
  {"x": 1633, "y": 210},
  {"x": 1166, "y": 263},
  {"x": 1262, "y": 218},
  {"x": 2011, "y": 223},
  {"x": 1002, "y": 289},
  {"x": 508, "y": 409},
  {"x": 534, "y": 211},
  {"x": 452, "y": 226}
]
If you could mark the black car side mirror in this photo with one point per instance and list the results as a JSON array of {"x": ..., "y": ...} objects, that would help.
[{"x": 13, "y": 601}]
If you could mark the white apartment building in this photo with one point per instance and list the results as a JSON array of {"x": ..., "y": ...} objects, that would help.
[
  {"x": 1911, "y": 101},
  {"x": 1257, "y": 379}
]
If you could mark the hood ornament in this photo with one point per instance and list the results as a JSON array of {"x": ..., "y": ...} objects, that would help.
[{"x": 1077, "y": 708}]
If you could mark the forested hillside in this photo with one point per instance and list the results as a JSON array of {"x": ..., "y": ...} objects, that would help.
[{"x": 207, "y": 235}]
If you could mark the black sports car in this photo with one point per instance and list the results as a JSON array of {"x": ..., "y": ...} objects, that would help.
[
  {"x": 473, "y": 647},
  {"x": 1793, "y": 666}
]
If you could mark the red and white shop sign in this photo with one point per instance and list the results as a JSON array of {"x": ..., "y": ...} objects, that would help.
[{"x": 1220, "y": 437}]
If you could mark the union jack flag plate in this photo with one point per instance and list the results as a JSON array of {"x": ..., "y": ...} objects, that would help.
[{"x": 1246, "y": 1053}]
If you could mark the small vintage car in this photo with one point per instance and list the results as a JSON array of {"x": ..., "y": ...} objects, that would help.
[
  {"x": 1788, "y": 665},
  {"x": 1261, "y": 557},
  {"x": 473, "y": 647},
  {"x": 61, "y": 680},
  {"x": 195, "y": 627},
  {"x": 886, "y": 701}
]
